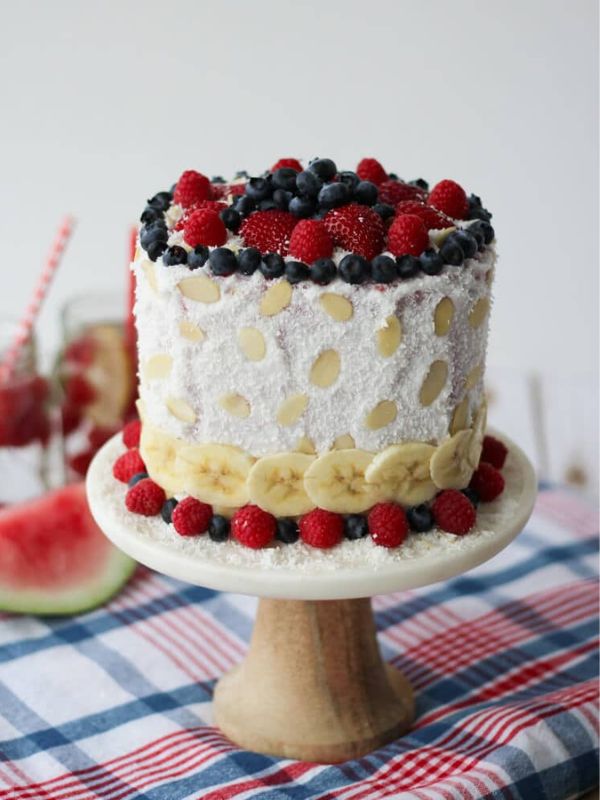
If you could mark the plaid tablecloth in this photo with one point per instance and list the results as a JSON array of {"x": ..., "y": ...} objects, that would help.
[{"x": 116, "y": 703}]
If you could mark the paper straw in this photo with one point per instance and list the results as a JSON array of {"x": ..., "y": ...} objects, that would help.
[{"x": 41, "y": 289}]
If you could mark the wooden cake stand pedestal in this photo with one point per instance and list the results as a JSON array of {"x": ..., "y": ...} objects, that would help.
[{"x": 313, "y": 685}]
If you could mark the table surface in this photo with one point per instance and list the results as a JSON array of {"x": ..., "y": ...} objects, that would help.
[{"x": 116, "y": 703}]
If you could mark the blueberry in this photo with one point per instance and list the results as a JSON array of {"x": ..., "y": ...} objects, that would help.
[
  {"x": 488, "y": 231},
  {"x": 408, "y": 267},
  {"x": 431, "y": 262},
  {"x": 161, "y": 201},
  {"x": 355, "y": 527},
  {"x": 393, "y": 177},
  {"x": 351, "y": 180},
  {"x": 154, "y": 232},
  {"x": 156, "y": 249},
  {"x": 287, "y": 531},
  {"x": 333, "y": 195},
  {"x": 139, "y": 476},
  {"x": 366, "y": 193},
  {"x": 420, "y": 518},
  {"x": 296, "y": 271},
  {"x": 477, "y": 232},
  {"x": 354, "y": 268},
  {"x": 480, "y": 213},
  {"x": 272, "y": 265},
  {"x": 231, "y": 219},
  {"x": 472, "y": 495},
  {"x": 240, "y": 175},
  {"x": 451, "y": 252},
  {"x": 323, "y": 271},
  {"x": 218, "y": 528},
  {"x": 384, "y": 211},
  {"x": 150, "y": 214},
  {"x": 325, "y": 168},
  {"x": 243, "y": 204},
  {"x": 174, "y": 255},
  {"x": 420, "y": 183},
  {"x": 281, "y": 198},
  {"x": 384, "y": 269},
  {"x": 474, "y": 201},
  {"x": 198, "y": 257},
  {"x": 217, "y": 179},
  {"x": 166, "y": 511},
  {"x": 222, "y": 261},
  {"x": 467, "y": 242},
  {"x": 249, "y": 259},
  {"x": 259, "y": 188},
  {"x": 301, "y": 206},
  {"x": 308, "y": 183},
  {"x": 267, "y": 205},
  {"x": 285, "y": 178}
]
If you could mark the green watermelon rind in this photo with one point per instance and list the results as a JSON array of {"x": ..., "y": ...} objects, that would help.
[{"x": 85, "y": 596}]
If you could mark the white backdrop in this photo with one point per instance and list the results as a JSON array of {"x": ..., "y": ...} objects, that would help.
[{"x": 104, "y": 103}]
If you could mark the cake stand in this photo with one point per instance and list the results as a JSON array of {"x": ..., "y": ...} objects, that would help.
[{"x": 313, "y": 685}]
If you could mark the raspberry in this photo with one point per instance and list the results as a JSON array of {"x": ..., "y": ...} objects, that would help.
[
  {"x": 407, "y": 236},
  {"x": 269, "y": 231},
  {"x": 131, "y": 433},
  {"x": 253, "y": 527},
  {"x": 369, "y": 169},
  {"x": 310, "y": 240},
  {"x": 387, "y": 524},
  {"x": 80, "y": 462},
  {"x": 145, "y": 498},
  {"x": 453, "y": 512},
  {"x": 487, "y": 482},
  {"x": 450, "y": 198},
  {"x": 290, "y": 163},
  {"x": 356, "y": 228},
  {"x": 204, "y": 227},
  {"x": 393, "y": 192},
  {"x": 432, "y": 218},
  {"x": 191, "y": 517},
  {"x": 127, "y": 465},
  {"x": 191, "y": 188},
  {"x": 320, "y": 528},
  {"x": 79, "y": 391},
  {"x": 494, "y": 452},
  {"x": 203, "y": 205}
]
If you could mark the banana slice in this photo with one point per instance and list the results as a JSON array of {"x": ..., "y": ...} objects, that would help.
[
  {"x": 450, "y": 465},
  {"x": 336, "y": 482},
  {"x": 402, "y": 473},
  {"x": 215, "y": 473},
  {"x": 159, "y": 453},
  {"x": 276, "y": 484}
]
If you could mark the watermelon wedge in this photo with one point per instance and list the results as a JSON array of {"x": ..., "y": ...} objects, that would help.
[{"x": 54, "y": 559}]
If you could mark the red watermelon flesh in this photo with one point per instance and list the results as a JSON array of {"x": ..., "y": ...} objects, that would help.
[{"x": 54, "y": 559}]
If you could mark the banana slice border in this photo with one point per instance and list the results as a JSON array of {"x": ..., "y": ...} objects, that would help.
[
  {"x": 293, "y": 505},
  {"x": 225, "y": 487},
  {"x": 386, "y": 471},
  {"x": 351, "y": 492}
]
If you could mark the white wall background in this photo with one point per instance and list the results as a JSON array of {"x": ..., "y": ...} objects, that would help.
[{"x": 103, "y": 103}]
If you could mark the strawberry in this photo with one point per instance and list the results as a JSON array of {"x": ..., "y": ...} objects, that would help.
[
  {"x": 205, "y": 227},
  {"x": 450, "y": 198},
  {"x": 432, "y": 218},
  {"x": 393, "y": 192},
  {"x": 203, "y": 205},
  {"x": 269, "y": 231},
  {"x": 290, "y": 163},
  {"x": 310, "y": 240},
  {"x": 407, "y": 236},
  {"x": 453, "y": 512},
  {"x": 191, "y": 187},
  {"x": 369, "y": 169},
  {"x": 356, "y": 228}
]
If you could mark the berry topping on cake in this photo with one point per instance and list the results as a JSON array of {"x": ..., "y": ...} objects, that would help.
[
  {"x": 494, "y": 451},
  {"x": 218, "y": 529},
  {"x": 204, "y": 227},
  {"x": 320, "y": 528},
  {"x": 310, "y": 240},
  {"x": 393, "y": 192},
  {"x": 253, "y": 527},
  {"x": 453, "y": 512},
  {"x": 355, "y": 527},
  {"x": 433, "y": 219},
  {"x": 145, "y": 498},
  {"x": 191, "y": 517},
  {"x": 290, "y": 163},
  {"x": 192, "y": 187},
  {"x": 131, "y": 433},
  {"x": 407, "y": 236},
  {"x": 387, "y": 524},
  {"x": 269, "y": 231},
  {"x": 450, "y": 198},
  {"x": 127, "y": 465},
  {"x": 356, "y": 228},
  {"x": 420, "y": 518},
  {"x": 487, "y": 482},
  {"x": 369, "y": 169},
  {"x": 287, "y": 531},
  {"x": 167, "y": 509}
]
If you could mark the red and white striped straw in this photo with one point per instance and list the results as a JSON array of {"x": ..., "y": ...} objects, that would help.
[{"x": 41, "y": 289}]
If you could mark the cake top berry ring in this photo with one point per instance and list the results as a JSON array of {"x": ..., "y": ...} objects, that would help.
[{"x": 318, "y": 224}]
